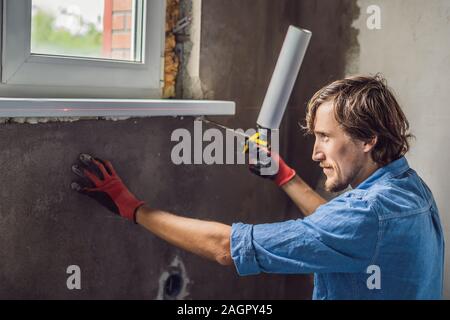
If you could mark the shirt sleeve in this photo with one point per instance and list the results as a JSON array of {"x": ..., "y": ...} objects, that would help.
[{"x": 341, "y": 236}]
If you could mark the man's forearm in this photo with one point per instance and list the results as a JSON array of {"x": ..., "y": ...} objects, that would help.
[
  {"x": 204, "y": 238},
  {"x": 304, "y": 197}
]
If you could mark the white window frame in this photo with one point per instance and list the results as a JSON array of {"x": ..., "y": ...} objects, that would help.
[
  {"x": 52, "y": 86},
  {"x": 80, "y": 77}
]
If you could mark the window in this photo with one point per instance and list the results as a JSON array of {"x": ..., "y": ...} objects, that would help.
[
  {"x": 83, "y": 48},
  {"x": 86, "y": 28},
  {"x": 76, "y": 58}
]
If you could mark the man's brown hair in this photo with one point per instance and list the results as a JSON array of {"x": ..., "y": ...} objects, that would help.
[{"x": 365, "y": 108}]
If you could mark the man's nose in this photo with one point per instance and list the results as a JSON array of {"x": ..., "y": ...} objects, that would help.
[{"x": 317, "y": 154}]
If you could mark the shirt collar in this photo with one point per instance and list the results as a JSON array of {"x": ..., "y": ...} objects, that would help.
[{"x": 391, "y": 169}]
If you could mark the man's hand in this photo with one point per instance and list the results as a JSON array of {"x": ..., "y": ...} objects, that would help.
[
  {"x": 100, "y": 181},
  {"x": 284, "y": 173}
]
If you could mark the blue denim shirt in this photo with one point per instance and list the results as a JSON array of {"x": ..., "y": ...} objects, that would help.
[{"x": 389, "y": 221}]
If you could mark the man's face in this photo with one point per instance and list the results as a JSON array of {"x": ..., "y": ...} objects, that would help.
[{"x": 341, "y": 157}]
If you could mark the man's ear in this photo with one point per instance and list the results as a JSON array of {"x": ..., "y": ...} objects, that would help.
[{"x": 369, "y": 145}]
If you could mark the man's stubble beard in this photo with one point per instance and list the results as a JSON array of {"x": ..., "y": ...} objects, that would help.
[{"x": 338, "y": 186}]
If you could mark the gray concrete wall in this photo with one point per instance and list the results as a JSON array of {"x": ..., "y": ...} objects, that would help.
[
  {"x": 45, "y": 227},
  {"x": 412, "y": 50}
]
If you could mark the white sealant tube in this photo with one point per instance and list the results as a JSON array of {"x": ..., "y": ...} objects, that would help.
[{"x": 284, "y": 77}]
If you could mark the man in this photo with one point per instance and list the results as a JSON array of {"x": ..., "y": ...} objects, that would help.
[{"x": 380, "y": 240}]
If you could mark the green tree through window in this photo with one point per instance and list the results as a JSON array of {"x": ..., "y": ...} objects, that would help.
[{"x": 47, "y": 39}]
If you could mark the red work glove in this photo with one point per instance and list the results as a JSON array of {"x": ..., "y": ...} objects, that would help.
[
  {"x": 105, "y": 186},
  {"x": 282, "y": 176}
]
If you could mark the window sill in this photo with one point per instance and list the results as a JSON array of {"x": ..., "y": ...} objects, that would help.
[{"x": 18, "y": 107}]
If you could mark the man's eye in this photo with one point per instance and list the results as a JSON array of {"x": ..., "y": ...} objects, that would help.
[{"x": 322, "y": 137}]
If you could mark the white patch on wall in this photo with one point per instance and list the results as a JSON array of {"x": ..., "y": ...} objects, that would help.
[{"x": 173, "y": 283}]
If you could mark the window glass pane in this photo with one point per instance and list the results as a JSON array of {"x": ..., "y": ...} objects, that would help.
[{"x": 102, "y": 29}]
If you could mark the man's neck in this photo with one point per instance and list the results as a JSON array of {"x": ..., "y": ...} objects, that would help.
[{"x": 364, "y": 173}]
